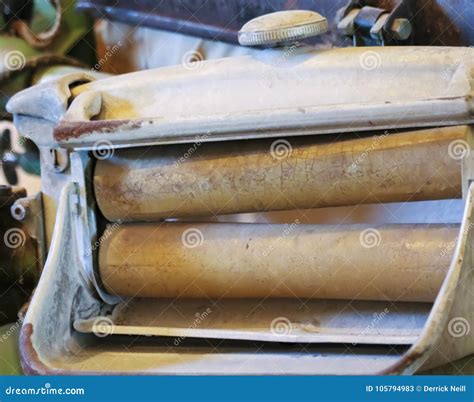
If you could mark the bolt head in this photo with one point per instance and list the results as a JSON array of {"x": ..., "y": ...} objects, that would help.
[
  {"x": 18, "y": 212},
  {"x": 401, "y": 28}
]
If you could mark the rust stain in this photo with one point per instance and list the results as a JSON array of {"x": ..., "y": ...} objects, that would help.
[
  {"x": 405, "y": 361},
  {"x": 32, "y": 365},
  {"x": 67, "y": 130},
  {"x": 30, "y": 361}
]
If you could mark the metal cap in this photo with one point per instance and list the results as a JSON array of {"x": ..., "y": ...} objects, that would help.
[{"x": 282, "y": 27}]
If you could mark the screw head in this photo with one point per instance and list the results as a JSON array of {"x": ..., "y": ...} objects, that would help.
[
  {"x": 282, "y": 27},
  {"x": 18, "y": 212}
]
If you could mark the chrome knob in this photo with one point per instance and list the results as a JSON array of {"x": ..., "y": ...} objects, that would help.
[{"x": 282, "y": 27}]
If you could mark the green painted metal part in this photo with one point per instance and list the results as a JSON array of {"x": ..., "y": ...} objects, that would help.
[
  {"x": 73, "y": 41},
  {"x": 9, "y": 355},
  {"x": 73, "y": 46}
]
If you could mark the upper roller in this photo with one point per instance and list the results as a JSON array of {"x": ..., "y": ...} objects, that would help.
[{"x": 233, "y": 177}]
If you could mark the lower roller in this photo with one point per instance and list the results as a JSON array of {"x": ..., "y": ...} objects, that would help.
[{"x": 174, "y": 260}]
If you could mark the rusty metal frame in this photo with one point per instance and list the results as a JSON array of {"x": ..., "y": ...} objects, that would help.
[
  {"x": 69, "y": 290},
  {"x": 88, "y": 113},
  {"x": 49, "y": 346}
]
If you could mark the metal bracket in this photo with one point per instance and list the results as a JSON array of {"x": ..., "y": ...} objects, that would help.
[
  {"x": 83, "y": 224},
  {"x": 373, "y": 26},
  {"x": 59, "y": 159},
  {"x": 465, "y": 152},
  {"x": 29, "y": 211}
]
